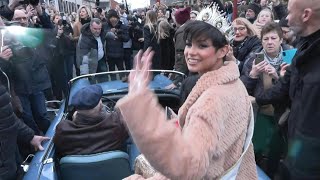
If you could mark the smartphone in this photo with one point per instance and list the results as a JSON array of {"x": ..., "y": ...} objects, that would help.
[{"x": 259, "y": 58}]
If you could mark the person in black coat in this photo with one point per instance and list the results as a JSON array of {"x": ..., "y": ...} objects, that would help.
[
  {"x": 301, "y": 86},
  {"x": 151, "y": 38},
  {"x": 165, "y": 36},
  {"x": 11, "y": 130},
  {"x": 117, "y": 34}
]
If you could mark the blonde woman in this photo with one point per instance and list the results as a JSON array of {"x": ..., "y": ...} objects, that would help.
[
  {"x": 265, "y": 16},
  {"x": 165, "y": 39},
  {"x": 150, "y": 37},
  {"x": 246, "y": 40},
  {"x": 84, "y": 16}
]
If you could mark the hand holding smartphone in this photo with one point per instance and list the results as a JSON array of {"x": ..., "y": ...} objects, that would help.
[{"x": 259, "y": 58}]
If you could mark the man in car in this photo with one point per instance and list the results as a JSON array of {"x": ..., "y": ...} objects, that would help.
[{"x": 92, "y": 129}]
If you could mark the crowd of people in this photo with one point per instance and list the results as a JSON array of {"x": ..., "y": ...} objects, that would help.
[{"x": 225, "y": 76}]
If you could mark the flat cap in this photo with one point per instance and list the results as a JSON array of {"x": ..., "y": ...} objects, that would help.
[{"x": 87, "y": 97}]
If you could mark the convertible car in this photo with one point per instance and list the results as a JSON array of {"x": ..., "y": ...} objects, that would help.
[{"x": 108, "y": 165}]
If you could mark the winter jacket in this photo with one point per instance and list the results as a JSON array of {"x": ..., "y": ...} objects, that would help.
[
  {"x": 90, "y": 133},
  {"x": 88, "y": 47},
  {"x": 135, "y": 33},
  {"x": 213, "y": 123},
  {"x": 11, "y": 129},
  {"x": 301, "y": 84},
  {"x": 114, "y": 45},
  {"x": 151, "y": 40},
  {"x": 6, "y": 12},
  {"x": 244, "y": 49},
  {"x": 29, "y": 67},
  {"x": 256, "y": 86},
  {"x": 180, "y": 63},
  {"x": 167, "y": 52}
]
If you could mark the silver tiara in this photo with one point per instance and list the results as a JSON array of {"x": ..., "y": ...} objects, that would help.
[{"x": 214, "y": 17}]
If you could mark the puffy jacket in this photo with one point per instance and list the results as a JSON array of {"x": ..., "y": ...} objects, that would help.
[{"x": 114, "y": 46}]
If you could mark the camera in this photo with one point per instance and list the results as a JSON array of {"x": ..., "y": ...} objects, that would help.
[{"x": 32, "y": 2}]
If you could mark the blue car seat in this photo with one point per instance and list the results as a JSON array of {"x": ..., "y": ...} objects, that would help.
[
  {"x": 261, "y": 174},
  {"x": 107, "y": 165}
]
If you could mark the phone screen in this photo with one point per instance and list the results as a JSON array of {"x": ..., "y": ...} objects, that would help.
[{"x": 259, "y": 58}]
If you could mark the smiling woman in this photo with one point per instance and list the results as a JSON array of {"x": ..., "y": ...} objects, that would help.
[
  {"x": 205, "y": 47},
  {"x": 207, "y": 138}
]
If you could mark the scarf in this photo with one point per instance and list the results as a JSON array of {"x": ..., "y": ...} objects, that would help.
[
  {"x": 84, "y": 21},
  {"x": 275, "y": 62}
]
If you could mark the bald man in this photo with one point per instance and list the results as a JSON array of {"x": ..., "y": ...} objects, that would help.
[{"x": 301, "y": 85}]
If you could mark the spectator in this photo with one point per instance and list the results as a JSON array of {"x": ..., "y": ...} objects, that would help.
[
  {"x": 165, "y": 39},
  {"x": 265, "y": 16},
  {"x": 160, "y": 14},
  {"x": 252, "y": 12},
  {"x": 11, "y": 130},
  {"x": 299, "y": 85},
  {"x": 193, "y": 15},
  {"x": 228, "y": 6},
  {"x": 127, "y": 46},
  {"x": 272, "y": 48},
  {"x": 245, "y": 41},
  {"x": 117, "y": 34},
  {"x": 150, "y": 37},
  {"x": 136, "y": 34},
  {"x": 90, "y": 50},
  {"x": 92, "y": 129},
  {"x": 218, "y": 100},
  {"x": 181, "y": 18},
  {"x": 169, "y": 15},
  {"x": 289, "y": 36},
  {"x": 242, "y": 9},
  {"x": 84, "y": 16},
  {"x": 30, "y": 75}
]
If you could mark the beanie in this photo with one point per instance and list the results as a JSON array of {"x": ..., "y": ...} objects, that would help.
[
  {"x": 182, "y": 15},
  {"x": 255, "y": 8}
]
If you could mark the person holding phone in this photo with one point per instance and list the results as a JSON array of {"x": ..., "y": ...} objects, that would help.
[{"x": 259, "y": 73}]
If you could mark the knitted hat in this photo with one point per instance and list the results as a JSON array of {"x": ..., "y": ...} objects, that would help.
[
  {"x": 255, "y": 8},
  {"x": 182, "y": 15}
]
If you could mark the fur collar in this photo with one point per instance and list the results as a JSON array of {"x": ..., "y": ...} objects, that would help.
[{"x": 226, "y": 74}]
